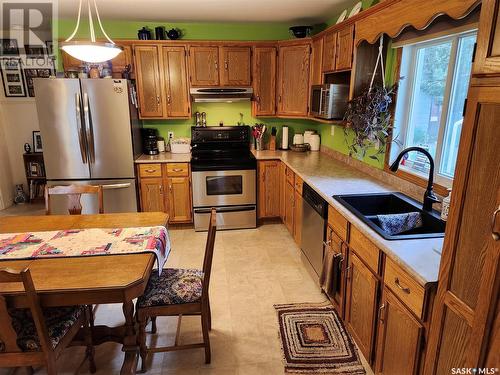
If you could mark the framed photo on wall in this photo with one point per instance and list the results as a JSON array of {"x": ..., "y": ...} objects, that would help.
[
  {"x": 29, "y": 74},
  {"x": 12, "y": 77},
  {"x": 9, "y": 47},
  {"x": 35, "y": 51},
  {"x": 37, "y": 141}
]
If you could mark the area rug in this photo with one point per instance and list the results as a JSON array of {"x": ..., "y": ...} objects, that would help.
[{"x": 314, "y": 341}]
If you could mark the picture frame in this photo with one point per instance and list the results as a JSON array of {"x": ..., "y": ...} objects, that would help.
[
  {"x": 35, "y": 51},
  {"x": 12, "y": 77},
  {"x": 37, "y": 141},
  {"x": 50, "y": 47},
  {"x": 9, "y": 47},
  {"x": 31, "y": 73}
]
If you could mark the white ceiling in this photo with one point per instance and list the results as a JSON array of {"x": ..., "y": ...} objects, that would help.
[{"x": 289, "y": 11}]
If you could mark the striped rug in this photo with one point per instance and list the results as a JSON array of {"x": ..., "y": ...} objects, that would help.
[{"x": 314, "y": 341}]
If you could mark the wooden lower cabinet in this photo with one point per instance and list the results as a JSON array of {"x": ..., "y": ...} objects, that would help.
[
  {"x": 289, "y": 206},
  {"x": 399, "y": 338},
  {"x": 169, "y": 191},
  {"x": 361, "y": 300},
  {"x": 297, "y": 218},
  {"x": 269, "y": 188},
  {"x": 152, "y": 199},
  {"x": 179, "y": 199}
]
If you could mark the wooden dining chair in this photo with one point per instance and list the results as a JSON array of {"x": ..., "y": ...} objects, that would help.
[
  {"x": 34, "y": 336},
  {"x": 178, "y": 292},
  {"x": 74, "y": 193}
]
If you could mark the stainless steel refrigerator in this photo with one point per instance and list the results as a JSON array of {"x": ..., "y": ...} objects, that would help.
[{"x": 90, "y": 135}]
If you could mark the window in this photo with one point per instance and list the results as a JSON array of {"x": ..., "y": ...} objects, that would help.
[{"x": 429, "y": 111}]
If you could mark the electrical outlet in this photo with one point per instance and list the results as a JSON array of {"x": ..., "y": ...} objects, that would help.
[
  {"x": 332, "y": 130},
  {"x": 170, "y": 135}
]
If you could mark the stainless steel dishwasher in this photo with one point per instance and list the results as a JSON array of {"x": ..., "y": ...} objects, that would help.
[{"x": 314, "y": 214}]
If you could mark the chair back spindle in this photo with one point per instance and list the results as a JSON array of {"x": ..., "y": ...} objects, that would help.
[{"x": 74, "y": 193}]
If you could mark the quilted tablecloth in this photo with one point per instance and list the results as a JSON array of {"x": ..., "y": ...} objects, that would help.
[{"x": 86, "y": 242}]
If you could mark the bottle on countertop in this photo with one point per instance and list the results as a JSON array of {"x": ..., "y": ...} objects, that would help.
[
  {"x": 204, "y": 119},
  {"x": 198, "y": 118},
  {"x": 445, "y": 206}
]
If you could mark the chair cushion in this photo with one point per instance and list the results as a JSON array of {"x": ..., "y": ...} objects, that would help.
[
  {"x": 173, "y": 287},
  {"x": 58, "y": 320}
]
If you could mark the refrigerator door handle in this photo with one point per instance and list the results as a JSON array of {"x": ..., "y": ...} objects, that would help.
[
  {"x": 116, "y": 186},
  {"x": 88, "y": 126},
  {"x": 78, "y": 111}
]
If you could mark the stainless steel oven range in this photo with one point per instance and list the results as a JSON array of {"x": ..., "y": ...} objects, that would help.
[{"x": 224, "y": 177}]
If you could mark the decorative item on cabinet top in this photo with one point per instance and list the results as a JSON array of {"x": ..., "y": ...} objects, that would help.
[{"x": 301, "y": 31}]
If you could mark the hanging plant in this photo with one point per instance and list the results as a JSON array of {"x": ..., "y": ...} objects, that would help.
[{"x": 368, "y": 116}]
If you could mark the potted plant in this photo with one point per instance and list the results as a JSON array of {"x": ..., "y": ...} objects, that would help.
[{"x": 369, "y": 121}]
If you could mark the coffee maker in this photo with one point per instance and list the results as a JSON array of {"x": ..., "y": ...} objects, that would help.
[{"x": 150, "y": 141}]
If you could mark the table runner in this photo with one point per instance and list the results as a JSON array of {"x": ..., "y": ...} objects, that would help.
[{"x": 86, "y": 242}]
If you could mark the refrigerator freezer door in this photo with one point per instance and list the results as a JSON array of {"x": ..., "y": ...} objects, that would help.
[
  {"x": 59, "y": 107},
  {"x": 106, "y": 110},
  {"x": 119, "y": 196}
]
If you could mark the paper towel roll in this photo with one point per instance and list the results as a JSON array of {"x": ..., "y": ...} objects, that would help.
[
  {"x": 315, "y": 142},
  {"x": 284, "y": 138}
]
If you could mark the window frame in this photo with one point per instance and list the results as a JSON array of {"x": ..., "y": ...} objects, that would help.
[{"x": 441, "y": 182}]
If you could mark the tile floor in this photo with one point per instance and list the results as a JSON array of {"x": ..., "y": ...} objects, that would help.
[{"x": 252, "y": 270}]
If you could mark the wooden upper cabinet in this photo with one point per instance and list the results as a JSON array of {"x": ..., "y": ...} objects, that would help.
[
  {"x": 264, "y": 81},
  {"x": 175, "y": 78},
  {"x": 399, "y": 338},
  {"x": 317, "y": 62},
  {"x": 204, "y": 66},
  {"x": 293, "y": 89},
  {"x": 269, "y": 188},
  {"x": 235, "y": 66},
  {"x": 487, "y": 59},
  {"x": 149, "y": 85},
  {"x": 361, "y": 309},
  {"x": 344, "y": 49},
  {"x": 329, "y": 48}
]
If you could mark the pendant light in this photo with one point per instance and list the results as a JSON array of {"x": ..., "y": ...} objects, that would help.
[{"x": 90, "y": 51}]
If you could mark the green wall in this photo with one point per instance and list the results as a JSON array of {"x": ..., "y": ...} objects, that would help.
[{"x": 228, "y": 113}]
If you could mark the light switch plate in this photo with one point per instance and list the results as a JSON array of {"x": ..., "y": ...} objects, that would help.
[{"x": 170, "y": 135}]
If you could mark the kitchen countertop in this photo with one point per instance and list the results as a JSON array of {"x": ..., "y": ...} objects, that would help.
[
  {"x": 164, "y": 157},
  {"x": 328, "y": 176}
]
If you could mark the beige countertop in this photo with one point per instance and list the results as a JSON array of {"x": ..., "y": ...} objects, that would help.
[
  {"x": 164, "y": 157},
  {"x": 329, "y": 176}
]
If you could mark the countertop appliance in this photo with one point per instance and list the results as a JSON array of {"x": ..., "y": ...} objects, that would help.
[
  {"x": 223, "y": 176},
  {"x": 221, "y": 94},
  {"x": 91, "y": 135},
  {"x": 314, "y": 215},
  {"x": 150, "y": 141},
  {"x": 329, "y": 101}
]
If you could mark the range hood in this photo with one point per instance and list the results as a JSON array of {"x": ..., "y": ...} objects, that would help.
[{"x": 221, "y": 94}]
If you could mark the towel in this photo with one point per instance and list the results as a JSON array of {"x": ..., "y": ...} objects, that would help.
[{"x": 399, "y": 223}]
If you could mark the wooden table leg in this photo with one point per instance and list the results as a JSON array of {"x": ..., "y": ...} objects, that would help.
[{"x": 129, "y": 340}]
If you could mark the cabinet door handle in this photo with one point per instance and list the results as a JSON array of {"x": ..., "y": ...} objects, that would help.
[
  {"x": 348, "y": 271},
  {"x": 158, "y": 99},
  {"x": 151, "y": 170},
  {"x": 226, "y": 65},
  {"x": 170, "y": 188},
  {"x": 161, "y": 189},
  {"x": 177, "y": 169},
  {"x": 168, "y": 99},
  {"x": 495, "y": 234},
  {"x": 398, "y": 284},
  {"x": 327, "y": 243},
  {"x": 216, "y": 66},
  {"x": 279, "y": 98},
  {"x": 258, "y": 98},
  {"x": 381, "y": 312}
]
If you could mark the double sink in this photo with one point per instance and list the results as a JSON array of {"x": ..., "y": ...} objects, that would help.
[{"x": 367, "y": 207}]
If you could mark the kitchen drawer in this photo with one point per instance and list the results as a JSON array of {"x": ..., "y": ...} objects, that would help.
[
  {"x": 365, "y": 249},
  {"x": 177, "y": 169},
  {"x": 150, "y": 170},
  {"x": 298, "y": 184},
  {"x": 338, "y": 222},
  {"x": 410, "y": 292},
  {"x": 290, "y": 176}
]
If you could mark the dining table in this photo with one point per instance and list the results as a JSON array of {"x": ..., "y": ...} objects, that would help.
[{"x": 87, "y": 280}]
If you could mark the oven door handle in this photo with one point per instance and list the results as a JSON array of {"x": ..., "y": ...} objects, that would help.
[{"x": 224, "y": 209}]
